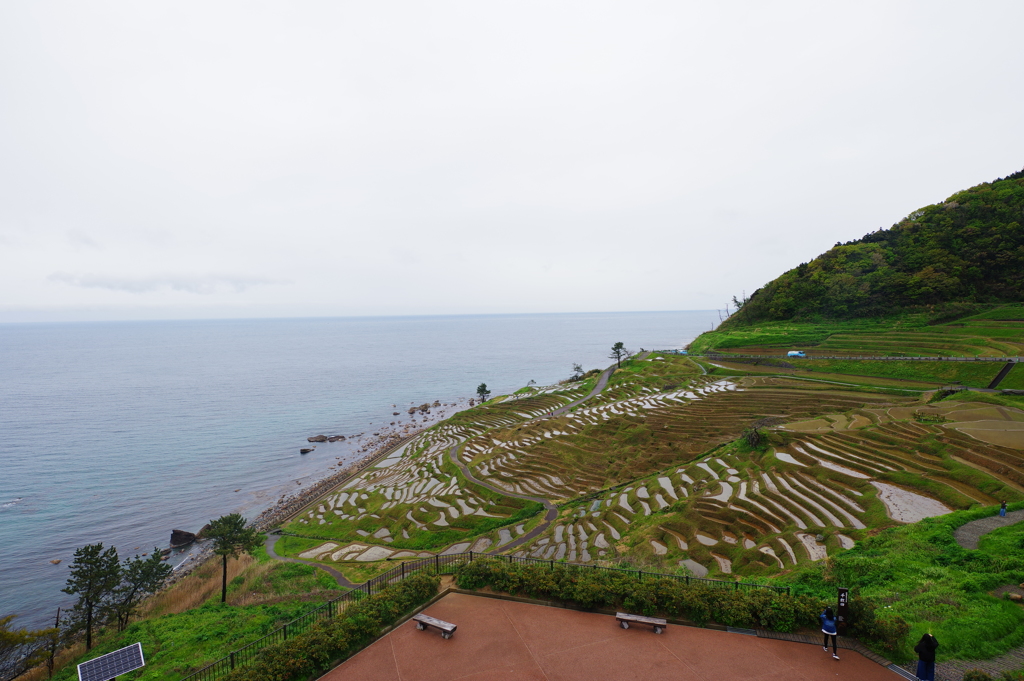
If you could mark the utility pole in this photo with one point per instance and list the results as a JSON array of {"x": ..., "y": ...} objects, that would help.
[{"x": 53, "y": 646}]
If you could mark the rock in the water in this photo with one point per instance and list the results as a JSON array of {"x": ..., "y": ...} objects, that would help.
[
  {"x": 55, "y": 561},
  {"x": 201, "y": 534},
  {"x": 181, "y": 538},
  {"x": 306, "y": 450},
  {"x": 317, "y": 438}
]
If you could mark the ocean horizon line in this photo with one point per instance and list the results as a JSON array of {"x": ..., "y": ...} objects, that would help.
[{"x": 369, "y": 317}]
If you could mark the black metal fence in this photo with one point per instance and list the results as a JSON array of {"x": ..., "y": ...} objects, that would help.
[
  {"x": 437, "y": 565},
  {"x": 247, "y": 654}
]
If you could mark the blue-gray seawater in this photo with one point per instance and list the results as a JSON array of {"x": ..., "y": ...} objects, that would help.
[{"x": 119, "y": 432}]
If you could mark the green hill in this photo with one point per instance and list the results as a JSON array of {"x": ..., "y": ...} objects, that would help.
[{"x": 964, "y": 251}]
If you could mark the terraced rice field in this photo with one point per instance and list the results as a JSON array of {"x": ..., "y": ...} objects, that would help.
[
  {"x": 653, "y": 471},
  {"x": 415, "y": 497},
  {"x": 996, "y": 333}
]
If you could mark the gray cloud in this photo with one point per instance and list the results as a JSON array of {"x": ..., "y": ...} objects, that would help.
[
  {"x": 470, "y": 157},
  {"x": 80, "y": 239},
  {"x": 200, "y": 285}
]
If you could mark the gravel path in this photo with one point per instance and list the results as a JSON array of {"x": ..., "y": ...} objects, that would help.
[{"x": 968, "y": 535}]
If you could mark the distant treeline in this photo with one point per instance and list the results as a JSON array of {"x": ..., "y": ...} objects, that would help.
[{"x": 966, "y": 250}]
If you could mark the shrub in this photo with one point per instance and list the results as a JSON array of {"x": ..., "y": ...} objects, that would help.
[
  {"x": 313, "y": 650},
  {"x": 976, "y": 675},
  {"x": 699, "y": 602},
  {"x": 887, "y": 631}
]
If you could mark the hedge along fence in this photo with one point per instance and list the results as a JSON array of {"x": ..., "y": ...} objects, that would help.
[
  {"x": 436, "y": 565},
  {"x": 698, "y": 602},
  {"x": 344, "y": 626},
  {"x": 315, "y": 650}
]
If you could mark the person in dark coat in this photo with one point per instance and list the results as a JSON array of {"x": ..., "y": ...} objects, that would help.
[
  {"x": 925, "y": 650},
  {"x": 1002, "y": 510},
  {"x": 828, "y": 627}
]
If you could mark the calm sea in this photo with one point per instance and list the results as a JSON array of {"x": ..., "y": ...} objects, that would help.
[{"x": 120, "y": 432}]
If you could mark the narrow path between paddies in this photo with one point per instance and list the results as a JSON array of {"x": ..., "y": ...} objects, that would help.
[
  {"x": 340, "y": 578},
  {"x": 551, "y": 510}
]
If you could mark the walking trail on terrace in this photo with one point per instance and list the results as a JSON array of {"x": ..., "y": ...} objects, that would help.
[
  {"x": 549, "y": 516},
  {"x": 968, "y": 536}
]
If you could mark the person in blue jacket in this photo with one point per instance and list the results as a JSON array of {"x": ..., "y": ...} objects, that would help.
[{"x": 828, "y": 627}]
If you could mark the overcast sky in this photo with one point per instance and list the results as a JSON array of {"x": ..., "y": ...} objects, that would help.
[{"x": 249, "y": 159}]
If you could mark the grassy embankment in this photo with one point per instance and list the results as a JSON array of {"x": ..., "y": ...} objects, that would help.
[
  {"x": 921, "y": 574},
  {"x": 997, "y": 332},
  {"x": 187, "y": 627}
]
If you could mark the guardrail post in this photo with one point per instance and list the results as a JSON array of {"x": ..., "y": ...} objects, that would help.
[
  {"x": 470, "y": 556},
  {"x": 437, "y": 565},
  {"x": 232, "y": 661},
  {"x": 737, "y": 587},
  {"x": 285, "y": 632},
  {"x": 403, "y": 570}
]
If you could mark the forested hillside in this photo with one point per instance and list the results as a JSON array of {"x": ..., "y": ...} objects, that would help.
[{"x": 967, "y": 249}]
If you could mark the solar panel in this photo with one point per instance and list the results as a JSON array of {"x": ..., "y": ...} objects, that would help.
[{"x": 106, "y": 667}]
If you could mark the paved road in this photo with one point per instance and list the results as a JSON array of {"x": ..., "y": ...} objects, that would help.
[
  {"x": 340, "y": 578},
  {"x": 602, "y": 382},
  {"x": 552, "y": 510},
  {"x": 549, "y": 517}
]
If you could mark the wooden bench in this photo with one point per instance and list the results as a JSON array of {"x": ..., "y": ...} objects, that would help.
[
  {"x": 424, "y": 621},
  {"x": 625, "y": 618}
]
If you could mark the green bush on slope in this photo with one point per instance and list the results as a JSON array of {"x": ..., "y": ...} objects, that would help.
[
  {"x": 313, "y": 650},
  {"x": 919, "y": 573}
]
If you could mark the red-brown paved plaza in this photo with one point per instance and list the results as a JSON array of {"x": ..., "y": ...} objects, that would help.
[{"x": 507, "y": 641}]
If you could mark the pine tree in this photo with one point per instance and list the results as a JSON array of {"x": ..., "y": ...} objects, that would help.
[
  {"x": 231, "y": 537},
  {"x": 21, "y": 649},
  {"x": 139, "y": 578},
  {"x": 95, "y": 574}
]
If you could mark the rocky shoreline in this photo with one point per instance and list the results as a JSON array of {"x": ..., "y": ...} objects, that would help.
[{"x": 381, "y": 443}]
